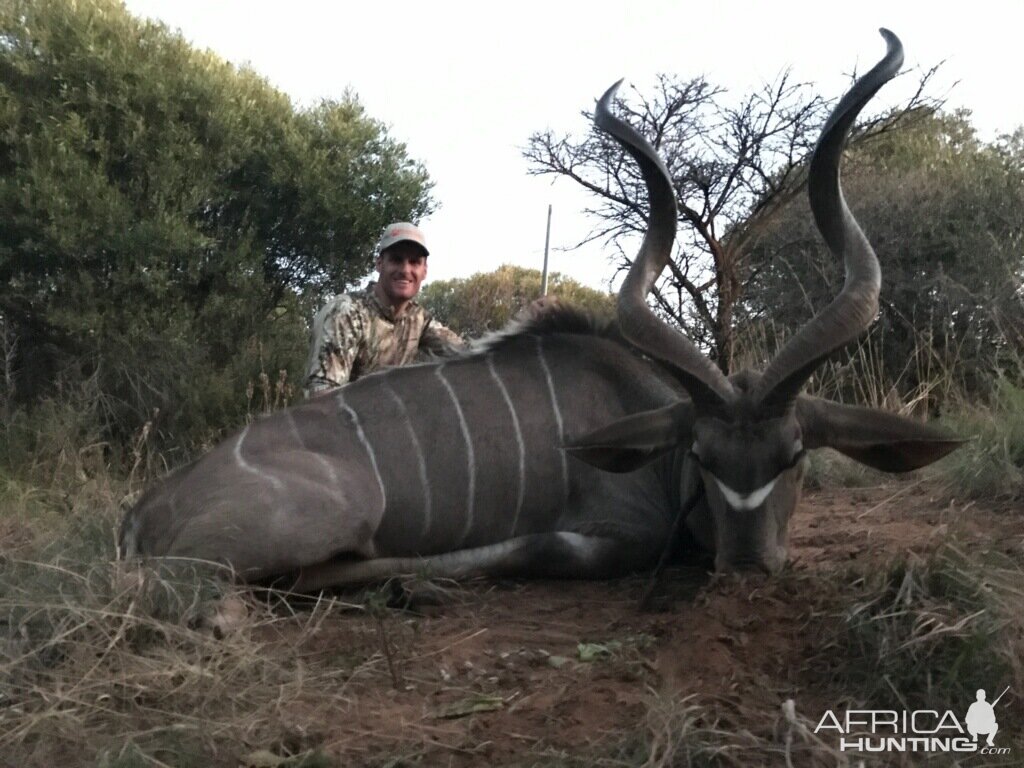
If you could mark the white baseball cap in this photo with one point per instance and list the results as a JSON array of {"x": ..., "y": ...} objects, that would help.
[{"x": 400, "y": 231}]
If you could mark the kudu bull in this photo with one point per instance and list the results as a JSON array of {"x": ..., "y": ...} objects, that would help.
[{"x": 494, "y": 463}]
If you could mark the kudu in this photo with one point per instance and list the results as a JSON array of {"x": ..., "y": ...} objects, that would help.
[{"x": 471, "y": 466}]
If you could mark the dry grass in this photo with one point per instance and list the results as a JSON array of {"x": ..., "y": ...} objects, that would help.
[
  {"x": 141, "y": 667},
  {"x": 923, "y": 632},
  {"x": 135, "y": 667},
  {"x": 681, "y": 732},
  {"x": 861, "y": 377},
  {"x": 702, "y": 732},
  {"x": 991, "y": 465}
]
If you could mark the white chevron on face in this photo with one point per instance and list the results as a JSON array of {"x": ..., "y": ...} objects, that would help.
[{"x": 745, "y": 501}]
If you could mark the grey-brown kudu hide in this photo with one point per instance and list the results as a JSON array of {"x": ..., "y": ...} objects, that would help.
[{"x": 460, "y": 467}]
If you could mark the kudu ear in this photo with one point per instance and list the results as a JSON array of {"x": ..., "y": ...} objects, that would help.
[
  {"x": 635, "y": 440},
  {"x": 881, "y": 440}
]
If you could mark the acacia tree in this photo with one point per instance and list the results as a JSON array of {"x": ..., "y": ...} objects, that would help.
[{"x": 734, "y": 165}]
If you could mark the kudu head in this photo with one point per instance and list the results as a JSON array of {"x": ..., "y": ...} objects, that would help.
[{"x": 748, "y": 434}]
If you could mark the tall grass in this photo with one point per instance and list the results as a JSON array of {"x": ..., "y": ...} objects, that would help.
[
  {"x": 861, "y": 376},
  {"x": 143, "y": 667},
  {"x": 924, "y": 633},
  {"x": 991, "y": 465},
  {"x": 932, "y": 385}
]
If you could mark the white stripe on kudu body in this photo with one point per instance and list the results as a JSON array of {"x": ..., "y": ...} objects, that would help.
[
  {"x": 328, "y": 468},
  {"x": 558, "y": 415},
  {"x": 278, "y": 485},
  {"x": 519, "y": 440},
  {"x": 424, "y": 480},
  {"x": 366, "y": 444},
  {"x": 471, "y": 458}
]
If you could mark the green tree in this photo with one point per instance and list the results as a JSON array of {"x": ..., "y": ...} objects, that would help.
[
  {"x": 167, "y": 220},
  {"x": 945, "y": 213},
  {"x": 487, "y": 301}
]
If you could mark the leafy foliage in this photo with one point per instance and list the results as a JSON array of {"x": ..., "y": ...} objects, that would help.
[
  {"x": 487, "y": 301},
  {"x": 167, "y": 220},
  {"x": 944, "y": 213}
]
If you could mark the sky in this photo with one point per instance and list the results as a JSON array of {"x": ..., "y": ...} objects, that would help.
[{"x": 465, "y": 84}]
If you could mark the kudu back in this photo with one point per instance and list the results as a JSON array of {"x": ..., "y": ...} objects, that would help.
[{"x": 557, "y": 448}]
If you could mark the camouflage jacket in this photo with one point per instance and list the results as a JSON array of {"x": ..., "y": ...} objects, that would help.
[{"x": 354, "y": 334}]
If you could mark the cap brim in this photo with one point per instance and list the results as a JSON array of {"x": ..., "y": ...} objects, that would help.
[{"x": 392, "y": 243}]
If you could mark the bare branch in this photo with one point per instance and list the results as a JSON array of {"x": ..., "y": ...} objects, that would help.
[{"x": 734, "y": 163}]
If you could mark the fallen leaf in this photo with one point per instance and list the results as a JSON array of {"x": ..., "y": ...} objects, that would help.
[
  {"x": 471, "y": 706},
  {"x": 595, "y": 651}
]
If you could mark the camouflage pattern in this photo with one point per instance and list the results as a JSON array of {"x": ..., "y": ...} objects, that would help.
[{"x": 355, "y": 334}]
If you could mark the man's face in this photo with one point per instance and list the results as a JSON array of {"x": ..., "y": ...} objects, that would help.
[{"x": 401, "y": 270}]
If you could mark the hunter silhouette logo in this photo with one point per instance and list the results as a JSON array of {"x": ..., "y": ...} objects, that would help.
[
  {"x": 919, "y": 730},
  {"x": 981, "y": 717}
]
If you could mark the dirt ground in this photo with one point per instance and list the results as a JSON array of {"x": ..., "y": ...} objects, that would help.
[{"x": 519, "y": 673}]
